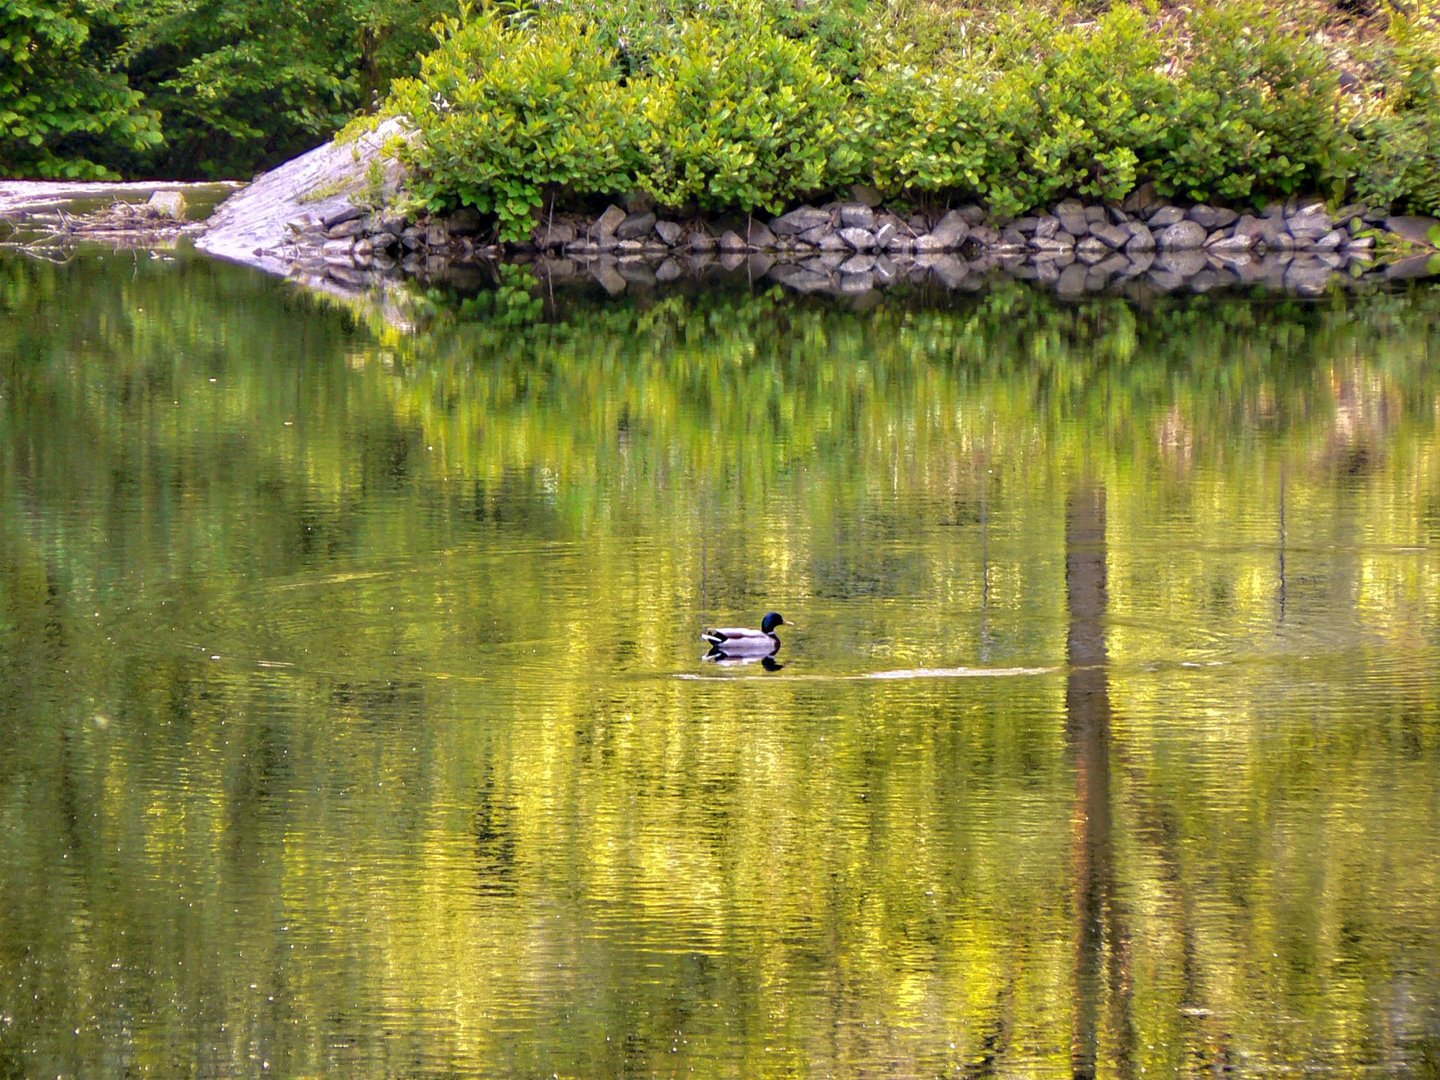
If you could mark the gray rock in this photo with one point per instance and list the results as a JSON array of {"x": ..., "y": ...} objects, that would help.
[
  {"x": 858, "y": 264},
  {"x": 1074, "y": 222},
  {"x": 1140, "y": 201},
  {"x": 608, "y": 275},
  {"x": 1414, "y": 229},
  {"x": 1310, "y": 225},
  {"x": 949, "y": 269},
  {"x": 1308, "y": 277},
  {"x": 1331, "y": 241},
  {"x": 1090, "y": 250},
  {"x": 1185, "y": 262},
  {"x": 629, "y": 247},
  {"x": 1416, "y": 266},
  {"x": 555, "y": 234},
  {"x": 344, "y": 213},
  {"x": 800, "y": 278},
  {"x": 929, "y": 245},
  {"x": 605, "y": 225},
  {"x": 1141, "y": 239},
  {"x": 169, "y": 203},
  {"x": 858, "y": 239},
  {"x": 343, "y": 229},
  {"x": 1139, "y": 262},
  {"x": 857, "y": 216},
  {"x": 831, "y": 242},
  {"x": 635, "y": 226},
  {"x": 437, "y": 235},
  {"x": 637, "y": 272},
  {"x": 413, "y": 238},
  {"x": 1233, "y": 242},
  {"x": 669, "y": 232},
  {"x": 700, "y": 240},
  {"x": 799, "y": 221},
  {"x": 1026, "y": 225},
  {"x": 952, "y": 229},
  {"x": 759, "y": 264},
  {"x": 732, "y": 243},
  {"x": 1057, "y": 243},
  {"x": 984, "y": 235},
  {"x": 669, "y": 270},
  {"x": 856, "y": 284},
  {"x": 1096, "y": 215},
  {"x": 1211, "y": 217},
  {"x": 1068, "y": 206},
  {"x": 1012, "y": 237},
  {"x": 338, "y": 251},
  {"x": 1072, "y": 280},
  {"x": 1114, "y": 263},
  {"x": 1165, "y": 216},
  {"x": 1359, "y": 243},
  {"x": 1046, "y": 226},
  {"x": 1228, "y": 257},
  {"x": 1181, "y": 236},
  {"x": 759, "y": 236},
  {"x": 1112, "y": 236},
  {"x": 884, "y": 234}
]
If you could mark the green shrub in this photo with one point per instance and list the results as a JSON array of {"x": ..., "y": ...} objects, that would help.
[
  {"x": 1255, "y": 112},
  {"x": 1064, "y": 122},
  {"x": 508, "y": 115},
  {"x": 1399, "y": 140},
  {"x": 759, "y": 104},
  {"x": 739, "y": 116}
]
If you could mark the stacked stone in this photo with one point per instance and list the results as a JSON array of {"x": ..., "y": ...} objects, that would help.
[{"x": 855, "y": 246}]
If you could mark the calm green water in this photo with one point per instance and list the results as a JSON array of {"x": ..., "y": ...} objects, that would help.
[{"x": 352, "y": 720}]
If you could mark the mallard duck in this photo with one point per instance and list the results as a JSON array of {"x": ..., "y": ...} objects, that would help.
[{"x": 742, "y": 641}]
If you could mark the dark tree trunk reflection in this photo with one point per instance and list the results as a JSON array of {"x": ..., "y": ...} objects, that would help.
[{"x": 1102, "y": 954}]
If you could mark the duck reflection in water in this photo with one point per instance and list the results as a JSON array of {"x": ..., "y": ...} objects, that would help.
[{"x": 742, "y": 645}]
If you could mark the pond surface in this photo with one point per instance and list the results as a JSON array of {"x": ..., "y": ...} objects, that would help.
[{"x": 353, "y": 721}]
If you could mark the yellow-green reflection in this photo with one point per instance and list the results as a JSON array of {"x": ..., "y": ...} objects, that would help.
[{"x": 344, "y": 725}]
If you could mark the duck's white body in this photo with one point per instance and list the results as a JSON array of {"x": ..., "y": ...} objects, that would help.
[{"x": 743, "y": 641}]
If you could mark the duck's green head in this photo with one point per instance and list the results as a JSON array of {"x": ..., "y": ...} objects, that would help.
[{"x": 772, "y": 619}]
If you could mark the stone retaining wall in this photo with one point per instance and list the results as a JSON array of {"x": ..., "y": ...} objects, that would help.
[{"x": 854, "y": 246}]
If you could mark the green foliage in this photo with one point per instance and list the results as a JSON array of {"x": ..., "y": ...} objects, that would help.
[
  {"x": 1254, "y": 112},
  {"x": 1400, "y": 141},
  {"x": 240, "y": 89},
  {"x": 740, "y": 116},
  {"x": 62, "y": 110},
  {"x": 510, "y": 113}
]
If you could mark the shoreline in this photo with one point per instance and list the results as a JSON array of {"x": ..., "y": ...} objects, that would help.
[{"x": 845, "y": 248}]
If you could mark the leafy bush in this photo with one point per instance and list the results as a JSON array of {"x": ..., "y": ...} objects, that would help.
[
  {"x": 758, "y": 104},
  {"x": 1254, "y": 112},
  {"x": 740, "y": 116},
  {"x": 1399, "y": 140},
  {"x": 510, "y": 114}
]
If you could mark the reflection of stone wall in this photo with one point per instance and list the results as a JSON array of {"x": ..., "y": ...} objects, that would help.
[{"x": 854, "y": 247}]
